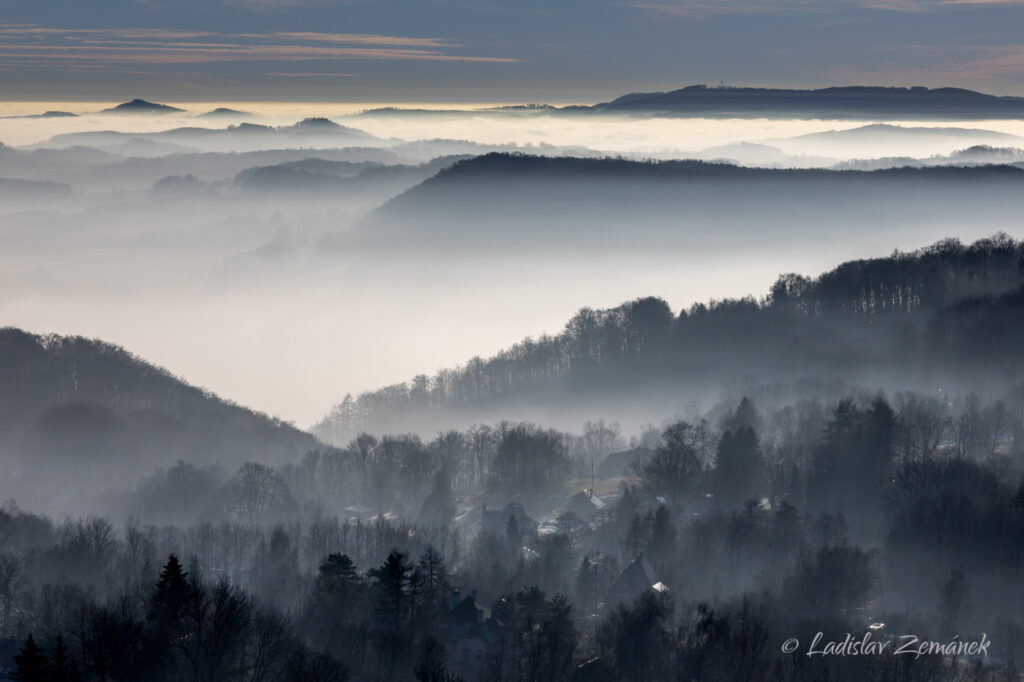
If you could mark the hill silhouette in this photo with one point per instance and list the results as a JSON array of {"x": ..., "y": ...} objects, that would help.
[
  {"x": 74, "y": 402},
  {"x": 501, "y": 200},
  {"x": 854, "y": 102},
  {"x": 224, "y": 112},
  {"x": 239, "y": 138},
  {"x": 141, "y": 106},
  {"x": 932, "y": 317}
]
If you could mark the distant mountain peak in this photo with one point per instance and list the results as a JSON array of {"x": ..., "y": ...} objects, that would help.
[
  {"x": 316, "y": 123},
  {"x": 141, "y": 106},
  {"x": 224, "y": 112}
]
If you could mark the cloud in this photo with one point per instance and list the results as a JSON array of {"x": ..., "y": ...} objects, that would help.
[
  {"x": 28, "y": 30},
  {"x": 43, "y": 44},
  {"x": 310, "y": 75},
  {"x": 355, "y": 38},
  {"x": 270, "y": 5},
  {"x": 944, "y": 65},
  {"x": 696, "y": 9},
  {"x": 191, "y": 54},
  {"x": 349, "y": 38}
]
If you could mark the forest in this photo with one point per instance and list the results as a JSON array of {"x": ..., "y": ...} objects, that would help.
[
  {"x": 500, "y": 553},
  {"x": 943, "y": 315},
  {"x": 866, "y": 486}
]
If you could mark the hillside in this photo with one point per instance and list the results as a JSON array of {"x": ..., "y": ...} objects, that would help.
[
  {"x": 929, "y": 318},
  {"x": 501, "y": 200},
  {"x": 69, "y": 402}
]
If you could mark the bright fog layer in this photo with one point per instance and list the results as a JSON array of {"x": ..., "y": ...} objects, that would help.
[{"x": 251, "y": 252}]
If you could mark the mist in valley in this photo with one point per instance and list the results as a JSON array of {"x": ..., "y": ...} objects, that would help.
[{"x": 365, "y": 392}]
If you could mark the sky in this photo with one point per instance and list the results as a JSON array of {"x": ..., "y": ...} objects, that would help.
[{"x": 491, "y": 50}]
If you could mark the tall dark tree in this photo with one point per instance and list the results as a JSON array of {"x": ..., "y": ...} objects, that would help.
[
  {"x": 31, "y": 664},
  {"x": 738, "y": 467},
  {"x": 393, "y": 610},
  {"x": 60, "y": 663},
  {"x": 636, "y": 639},
  {"x": 675, "y": 468}
]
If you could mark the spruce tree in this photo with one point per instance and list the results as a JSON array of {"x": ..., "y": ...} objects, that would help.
[{"x": 31, "y": 664}]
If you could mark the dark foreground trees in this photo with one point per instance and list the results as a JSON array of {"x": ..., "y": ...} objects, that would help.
[{"x": 185, "y": 628}]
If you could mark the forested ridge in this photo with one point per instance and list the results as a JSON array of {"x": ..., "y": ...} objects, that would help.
[
  {"x": 500, "y": 203},
  {"x": 920, "y": 315},
  {"x": 64, "y": 394}
]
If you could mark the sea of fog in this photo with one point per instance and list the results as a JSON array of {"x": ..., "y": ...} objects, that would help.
[{"x": 247, "y": 293}]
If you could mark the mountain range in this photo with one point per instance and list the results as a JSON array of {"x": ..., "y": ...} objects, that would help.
[{"x": 855, "y": 102}]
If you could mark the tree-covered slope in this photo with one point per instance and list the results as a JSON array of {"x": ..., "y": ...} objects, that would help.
[
  {"x": 69, "y": 399},
  {"x": 916, "y": 318}
]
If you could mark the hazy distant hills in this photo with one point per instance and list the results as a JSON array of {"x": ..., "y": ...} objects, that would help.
[
  {"x": 12, "y": 189},
  {"x": 240, "y": 137},
  {"x": 16, "y": 194},
  {"x": 837, "y": 102},
  {"x": 225, "y": 112},
  {"x": 136, "y": 163},
  {"x": 884, "y": 132},
  {"x": 880, "y": 139},
  {"x": 70, "y": 401},
  {"x": 318, "y": 176},
  {"x": 508, "y": 200},
  {"x": 932, "y": 319},
  {"x": 141, "y": 106},
  {"x": 976, "y": 155},
  {"x": 45, "y": 114}
]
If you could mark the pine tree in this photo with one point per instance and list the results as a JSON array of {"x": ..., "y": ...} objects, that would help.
[
  {"x": 31, "y": 664},
  {"x": 60, "y": 665},
  {"x": 434, "y": 574},
  {"x": 169, "y": 597},
  {"x": 662, "y": 545},
  {"x": 391, "y": 588}
]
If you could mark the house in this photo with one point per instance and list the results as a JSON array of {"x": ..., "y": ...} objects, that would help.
[
  {"x": 585, "y": 504},
  {"x": 497, "y": 521},
  {"x": 638, "y": 577},
  {"x": 467, "y": 634},
  {"x": 619, "y": 464}
]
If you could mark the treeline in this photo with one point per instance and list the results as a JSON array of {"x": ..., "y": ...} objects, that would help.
[
  {"x": 731, "y": 534},
  {"x": 927, "y": 315},
  {"x": 433, "y": 481},
  {"x": 402, "y": 475}
]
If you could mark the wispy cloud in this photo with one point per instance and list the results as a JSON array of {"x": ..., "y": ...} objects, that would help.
[
  {"x": 358, "y": 39},
  {"x": 160, "y": 46},
  {"x": 695, "y": 9},
  {"x": 310, "y": 75},
  {"x": 927, "y": 64},
  {"x": 28, "y": 30}
]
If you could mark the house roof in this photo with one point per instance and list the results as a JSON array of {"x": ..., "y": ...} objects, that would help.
[
  {"x": 618, "y": 463},
  {"x": 637, "y": 577}
]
